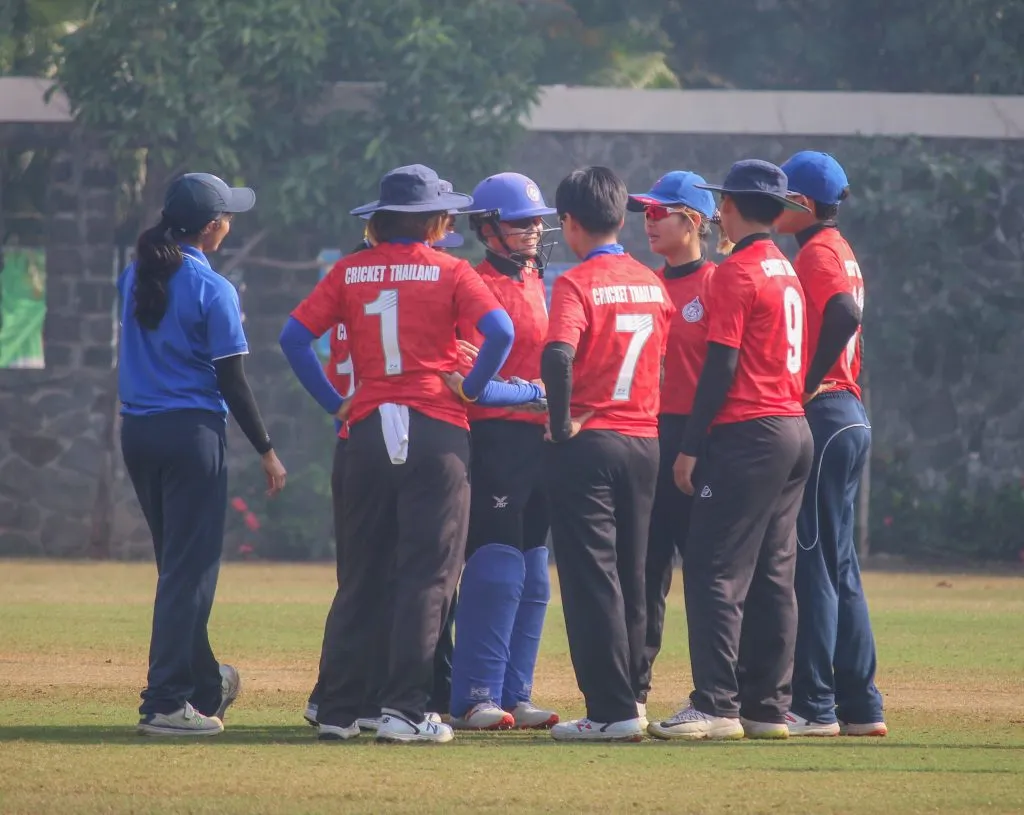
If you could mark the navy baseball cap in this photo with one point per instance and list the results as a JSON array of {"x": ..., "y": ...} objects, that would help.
[
  {"x": 818, "y": 176},
  {"x": 677, "y": 188},
  {"x": 415, "y": 188},
  {"x": 195, "y": 199},
  {"x": 753, "y": 176}
]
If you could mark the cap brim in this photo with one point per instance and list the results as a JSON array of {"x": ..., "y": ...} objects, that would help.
[
  {"x": 638, "y": 203},
  {"x": 446, "y": 202},
  {"x": 535, "y": 212},
  {"x": 786, "y": 202},
  {"x": 453, "y": 240},
  {"x": 240, "y": 199}
]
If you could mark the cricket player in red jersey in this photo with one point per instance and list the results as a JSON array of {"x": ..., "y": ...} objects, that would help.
[
  {"x": 834, "y": 672},
  {"x": 678, "y": 216},
  {"x": 405, "y": 514},
  {"x": 602, "y": 367},
  {"x": 741, "y": 549},
  {"x": 505, "y": 586}
]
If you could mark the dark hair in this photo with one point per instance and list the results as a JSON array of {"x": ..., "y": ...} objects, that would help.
[
  {"x": 829, "y": 212},
  {"x": 595, "y": 197},
  {"x": 386, "y": 226},
  {"x": 157, "y": 258},
  {"x": 757, "y": 208}
]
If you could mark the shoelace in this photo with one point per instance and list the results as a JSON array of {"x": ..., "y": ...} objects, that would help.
[{"x": 688, "y": 714}]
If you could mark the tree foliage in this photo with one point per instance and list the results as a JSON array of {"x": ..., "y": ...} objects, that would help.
[{"x": 238, "y": 87}]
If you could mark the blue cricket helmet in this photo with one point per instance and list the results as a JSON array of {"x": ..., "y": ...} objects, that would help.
[{"x": 512, "y": 195}]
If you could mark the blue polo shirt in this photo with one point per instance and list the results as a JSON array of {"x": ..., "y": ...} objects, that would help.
[{"x": 171, "y": 367}]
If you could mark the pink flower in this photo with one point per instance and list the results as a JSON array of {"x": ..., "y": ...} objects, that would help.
[
  {"x": 245, "y": 549},
  {"x": 887, "y": 520},
  {"x": 252, "y": 521},
  {"x": 239, "y": 505}
]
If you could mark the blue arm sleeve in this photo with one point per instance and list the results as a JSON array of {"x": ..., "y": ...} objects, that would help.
[
  {"x": 507, "y": 394},
  {"x": 297, "y": 343},
  {"x": 496, "y": 326}
]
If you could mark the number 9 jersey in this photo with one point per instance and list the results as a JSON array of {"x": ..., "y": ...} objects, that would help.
[
  {"x": 400, "y": 304},
  {"x": 756, "y": 304}
]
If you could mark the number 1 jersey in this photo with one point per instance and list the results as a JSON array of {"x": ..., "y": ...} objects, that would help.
[
  {"x": 615, "y": 312},
  {"x": 756, "y": 304},
  {"x": 400, "y": 304}
]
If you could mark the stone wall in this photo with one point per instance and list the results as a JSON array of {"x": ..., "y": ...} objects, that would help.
[{"x": 57, "y": 424}]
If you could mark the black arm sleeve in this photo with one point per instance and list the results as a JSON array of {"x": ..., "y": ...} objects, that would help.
[
  {"x": 839, "y": 322},
  {"x": 234, "y": 387},
  {"x": 712, "y": 387},
  {"x": 556, "y": 371}
]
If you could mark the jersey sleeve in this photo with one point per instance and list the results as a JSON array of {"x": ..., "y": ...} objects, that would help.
[
  {"x": 324, "y": 308},
  {"x": 822, "y": 275},
  {"x": 730, "y": 294},
  {"x": 472, "y": 297},
  {"x": 568, "y": 317},
  {"x": 224, "y": 332}
]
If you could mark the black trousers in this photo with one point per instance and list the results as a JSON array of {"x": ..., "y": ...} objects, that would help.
[
  {"x": 670, "y": 522},
  {"x": 508, "y": 503},
  {"x": 740, "y": 566},
  {"x": 404, "y": 540},
  {"x": 443, "y": 655},
  {"x": 177, "y": 465},
  {"x": 601, "y": 489}
]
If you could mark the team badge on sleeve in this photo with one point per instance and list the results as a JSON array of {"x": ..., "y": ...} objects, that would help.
[{"x": 693, "y": 311}]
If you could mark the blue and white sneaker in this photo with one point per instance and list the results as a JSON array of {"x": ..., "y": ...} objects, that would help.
[{"x": 397, "y": 729}]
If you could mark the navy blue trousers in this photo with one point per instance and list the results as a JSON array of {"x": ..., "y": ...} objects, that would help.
[
  {"x": 834, "y": 671},
  {"x": 177, "y": 465}
]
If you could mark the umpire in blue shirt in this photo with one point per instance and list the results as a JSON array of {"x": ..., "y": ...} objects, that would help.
[{"x": 179, "y": 372}]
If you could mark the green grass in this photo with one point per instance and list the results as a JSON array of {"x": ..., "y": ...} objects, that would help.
[{"x": 73, "y": 641}]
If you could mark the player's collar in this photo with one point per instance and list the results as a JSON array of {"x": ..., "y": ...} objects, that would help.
[
  {"x": 504, "y": 265},
  {"x": 750, "y": 240},
  {"x": 804, "y": 235},
  {"x": 683, "y": 269}
]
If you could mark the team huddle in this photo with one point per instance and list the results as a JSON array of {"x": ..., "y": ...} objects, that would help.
[{"x": 707, "y": 412}]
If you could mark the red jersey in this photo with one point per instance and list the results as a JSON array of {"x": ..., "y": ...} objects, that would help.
[
  {"x": 339, "y": 368},
  {"x": 756, "y": 304},
  {"x": 826, "y": 267},
  {"x": 687, "y": 338},
  {"x": 525, "y": 301},
  {"x": 400, "y": 304},
  {"x": 615, "y": 312}
]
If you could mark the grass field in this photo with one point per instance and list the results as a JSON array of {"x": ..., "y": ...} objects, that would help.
[{"x": 73, "y": 642}]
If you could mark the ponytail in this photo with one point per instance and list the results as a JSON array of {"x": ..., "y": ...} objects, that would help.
[
  {"x": 725, "y": 246},
  {"x": 157, "y": 257}
]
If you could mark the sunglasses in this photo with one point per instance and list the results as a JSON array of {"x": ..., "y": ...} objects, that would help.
[{"x": 657, "y": 212}]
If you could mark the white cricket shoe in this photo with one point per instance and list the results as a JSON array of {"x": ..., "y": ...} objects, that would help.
[
  {"x": 866, "y": 729},
  {"x": 230, "y": 687},
  {"x": 185, "y": 722},
  {"x": 528, "y": 716},
  {"x": 396, "y": 729},
  {"x": 369, "y": 722},
  {"x": 641, "y": 712},
  {"x": 764, "y": 730},
  {"x": 484, "y": 716},
  {"x": 690, "y": 724},
  {"x": 587, "y": 730},
  {"x": 330, "y": 732},
  {"x": 310, "y": 713},
  {"x": 434, "y": 718},
  {"x": 799, "y": 726}
]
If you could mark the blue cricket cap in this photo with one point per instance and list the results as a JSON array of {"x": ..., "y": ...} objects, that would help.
[
  {"x": 817, "y": 175},
  {"x": 195, "y": 199},
  {"x": 753, "y": 176},
  {"x": 677, "y": 188},
  {"x": 512, "y": 195}
]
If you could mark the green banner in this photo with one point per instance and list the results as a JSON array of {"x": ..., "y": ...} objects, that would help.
[{"x": 22, "y": 308}]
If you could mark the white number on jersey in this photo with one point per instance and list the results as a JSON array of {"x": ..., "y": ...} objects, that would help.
[
  {"x": 386, "y": 306},
  {"x": 857, "y": 290},
  {"x": 345, "y": 368},
  {"x": 641, "y": 326},
  {"x": 793, "y": 306}
]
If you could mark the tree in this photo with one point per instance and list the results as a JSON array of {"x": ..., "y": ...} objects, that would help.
[{"x": 244, "y": 88}]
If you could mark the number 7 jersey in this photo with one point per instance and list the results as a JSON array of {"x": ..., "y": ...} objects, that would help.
[
  {"x": 615, "y": 312},
  {"x": 756, "y": 304},
  {"x": 400, "y": 304}
]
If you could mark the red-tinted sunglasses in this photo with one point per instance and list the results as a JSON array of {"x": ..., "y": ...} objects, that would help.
[{"x": 657, "y": 212}]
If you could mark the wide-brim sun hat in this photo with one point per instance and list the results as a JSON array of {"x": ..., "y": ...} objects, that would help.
[{"x": 415, "y": 188}]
